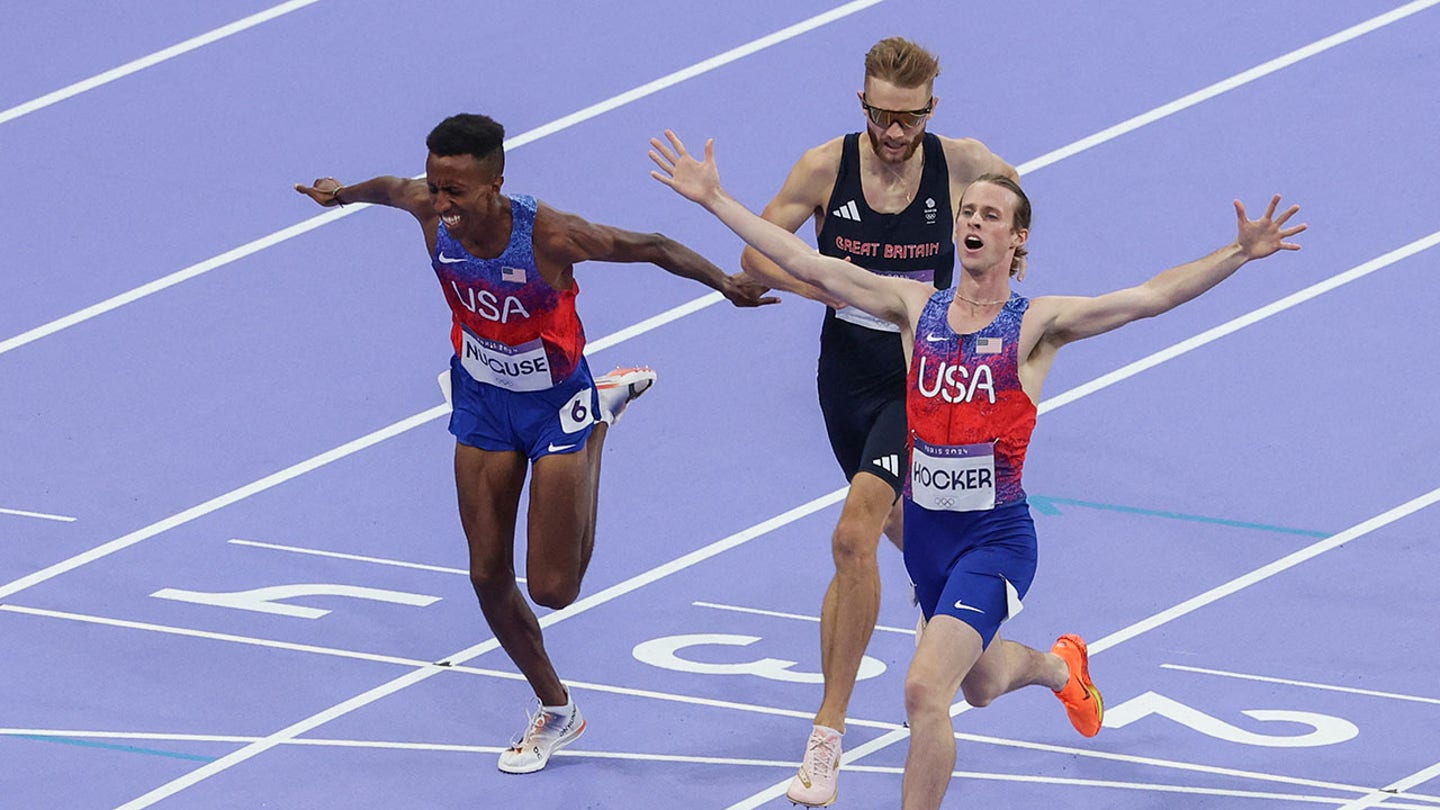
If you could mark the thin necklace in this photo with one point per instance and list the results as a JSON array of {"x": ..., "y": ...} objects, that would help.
[{"x": 968, "y": 299}]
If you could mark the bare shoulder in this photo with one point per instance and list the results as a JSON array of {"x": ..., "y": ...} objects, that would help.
[
  {"x": 969, "y": 158},
  {"x": 558, "y": 233},
  {"x": 814, "y": 173}
]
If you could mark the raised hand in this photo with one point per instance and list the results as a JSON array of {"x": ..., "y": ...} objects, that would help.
[
  {"x": 323, "y": 191},
  {"x": 1261, "y": 237},
  {"x": 695, "y": 181}
]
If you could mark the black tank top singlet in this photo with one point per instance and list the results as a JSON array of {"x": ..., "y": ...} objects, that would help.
[{"x": 860, "y": 354}]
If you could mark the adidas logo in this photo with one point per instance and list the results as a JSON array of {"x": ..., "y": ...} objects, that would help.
[
  {"x": 848, "y": 211},
  {"x": 890, "y": 464}
]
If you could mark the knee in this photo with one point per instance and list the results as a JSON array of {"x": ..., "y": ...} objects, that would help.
[
  {"x": 554, "y": 592},
  {"x": 491, "y": 577},
  {"x": 853, "y": 546},
  {"x": 925, "y": 696}
]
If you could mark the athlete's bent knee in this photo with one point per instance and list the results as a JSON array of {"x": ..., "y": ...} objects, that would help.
[
  {"x": 554, "y": 592},
  {"x": 980, "y": 692}
]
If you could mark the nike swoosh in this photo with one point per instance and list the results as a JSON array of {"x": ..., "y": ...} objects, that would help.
[
  {"x": 447, "y": 260},
  {"x": 935, "y": 339},
  {"x": 963, "y": 606},
  {"x": 556, "y": 448}
]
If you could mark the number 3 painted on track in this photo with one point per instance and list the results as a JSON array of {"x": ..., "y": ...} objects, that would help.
[
  {"x": 664, "y": 653},
  {"x": 1325, "y": 729}
]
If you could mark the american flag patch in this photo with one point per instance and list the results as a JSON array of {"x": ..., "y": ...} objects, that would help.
[
  {"x": 515, "y": 274},
  {"x": 988, "y": 345}
]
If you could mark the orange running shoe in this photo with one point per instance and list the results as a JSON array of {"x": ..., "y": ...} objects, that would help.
[{"x": 1082, "y": 700}]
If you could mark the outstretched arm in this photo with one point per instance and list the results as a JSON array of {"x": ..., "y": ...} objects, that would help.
[
  {"x": 1071, "y": 319},
  {"x": 396, "y": 192},
  {"x": 568, "y": 239},
  {"x": 700, "y": 182}
]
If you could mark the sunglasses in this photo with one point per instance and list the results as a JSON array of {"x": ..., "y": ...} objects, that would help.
[{"x": 907, "y": 119}]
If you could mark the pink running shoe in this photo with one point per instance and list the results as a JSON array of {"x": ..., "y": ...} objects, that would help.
[{"x": 817, "y": 784}]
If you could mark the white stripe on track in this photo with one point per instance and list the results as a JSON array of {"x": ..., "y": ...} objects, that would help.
[
  {"x": 713, "y": 549},
  {"x": 1226, "y": 85},
  {"x": 38, "y": 515},
  {"x": 1150, "y": 623},
  {"x": 330, "y": 215},
  {"x": 151, "y": 60}
]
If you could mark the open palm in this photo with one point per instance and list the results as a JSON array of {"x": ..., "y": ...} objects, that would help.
[
  {"x": 1261, "y": 237},
  {"x": 692, "y": 179}
]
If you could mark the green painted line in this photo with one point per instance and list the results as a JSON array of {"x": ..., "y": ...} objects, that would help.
[
  {"x": 1046, "y": 504},
  {"x": 112, "y": 747}
]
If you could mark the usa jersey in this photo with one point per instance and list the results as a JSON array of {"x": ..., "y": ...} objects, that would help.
[
  {"x": 510, "y": 328},
  {"x": 970, "y": 419}
]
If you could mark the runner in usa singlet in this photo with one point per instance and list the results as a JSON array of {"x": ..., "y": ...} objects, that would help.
[
  {"x": 511, "y": 329},
  {"x": 969, "y": 541},
  {"x": 970, "y": 420}
]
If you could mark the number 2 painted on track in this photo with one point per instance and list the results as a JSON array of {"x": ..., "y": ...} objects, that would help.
[{"x": 1324, "y": 729}]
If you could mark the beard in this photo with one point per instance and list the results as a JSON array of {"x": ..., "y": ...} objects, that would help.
[{"x": 909, "y": 148}]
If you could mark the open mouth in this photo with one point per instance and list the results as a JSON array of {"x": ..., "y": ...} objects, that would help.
[
  {"x": 450, "y": 220},
  {"x": 972, "y": 242}
]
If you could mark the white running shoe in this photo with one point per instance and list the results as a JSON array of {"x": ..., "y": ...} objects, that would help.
[
  {"x": 547, "y": 733},
  {"x": 619, "y": 388},
  {"x": 817, "y": 784}
]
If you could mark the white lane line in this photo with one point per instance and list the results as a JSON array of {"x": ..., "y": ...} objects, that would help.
[
  {"x": 419, "y": 675},
  {"x": 1135, "y": 786},
  {"x": 352, "y": 557},
  {"x": 605, "y": 688},
  {"x": 1226, "y": 85},
  {"x": 209, "y": 635},
  {"x": 457, "y": 748},
  {"x": 404, "y": 425},
  {"x": 40, "y": 515},
  {"x": 1383, "y": 796},
  {"x": 1263, "y": 573},
  {"x": 314, "y": 463},
  {"x": 330, "y": 215},
  {"x": 1157, "y": 620},
  {"x": 1054, "y": 156},
  {"x": 782, "y": 615},
  {"x": 1236, "y": 324},
  {"x": 337, "y": 652},
  {"x": 1182, "y": 766},
  {"x": 1307, "y": 684},
  {"x": 153, "y": 59},
  {"x": 311, "y": 464},
  {"x": 219, "y": 502}
]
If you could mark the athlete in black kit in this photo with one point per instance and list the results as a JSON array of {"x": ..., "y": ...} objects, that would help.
[{"x": 882, "y": 200}]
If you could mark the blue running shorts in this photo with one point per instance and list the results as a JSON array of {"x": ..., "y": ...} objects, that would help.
[
  {"x": 536, "y": 423},
  {"x": 975, "y": 566}
]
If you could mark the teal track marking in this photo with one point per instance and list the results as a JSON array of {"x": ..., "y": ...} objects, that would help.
[
  {"x": 1048, "y": 505},
  {"x": 112, "y": 747}
]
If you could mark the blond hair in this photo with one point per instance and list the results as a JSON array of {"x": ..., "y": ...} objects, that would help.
[{"x": 901, "y": 62}]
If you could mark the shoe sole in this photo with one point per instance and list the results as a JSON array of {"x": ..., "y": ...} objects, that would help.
[
  {"x": 561, "y": 743},
  {"x": 799, "y": 803},
  {"x": 630, "y": 378},
  {"x": 1085, "y": 683}
]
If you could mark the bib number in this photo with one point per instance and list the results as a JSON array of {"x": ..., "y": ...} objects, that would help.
[
  {"x": 953, "y": 478},
  {"x": 513, "y": 368}
]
